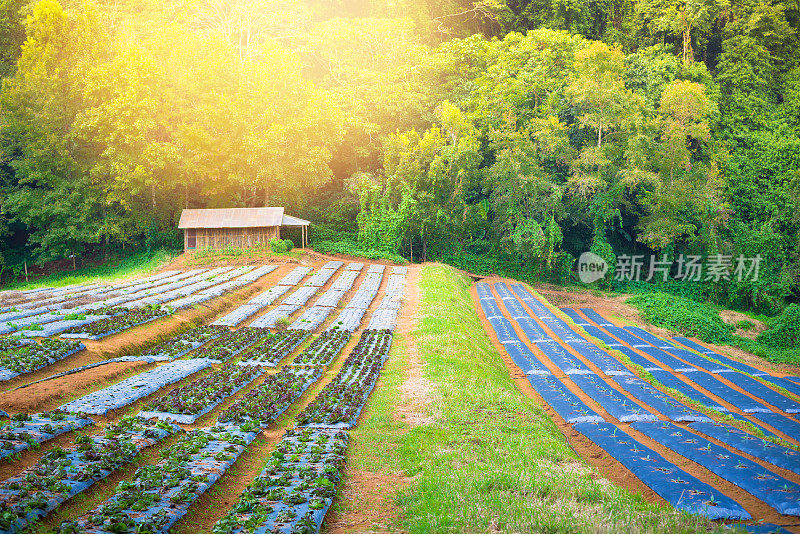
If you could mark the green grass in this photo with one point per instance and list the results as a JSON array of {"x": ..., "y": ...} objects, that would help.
[
  {"x": 492, "y": 458},
  {"x": 135, "y": 264}
]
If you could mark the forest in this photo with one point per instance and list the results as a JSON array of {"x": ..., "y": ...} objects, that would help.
[{"x": 502, "y": 136}]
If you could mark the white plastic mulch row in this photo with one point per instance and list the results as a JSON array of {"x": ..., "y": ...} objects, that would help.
[
  {"x": 376, "y": 268},
  {"x": 294, "y": 276},
  {"x": 320, "y": 278},
  {"x": 238, "y": 315},
  {"x": 270, "y": 295},
  {"x": 345, "y": 280},
  {"x": 349, "y": 319},
  {"x": 134, "y": 388},
  {"x": 385, "y": 315},
  {"x": 354, "y": 266},
  {"x": 301, "y": 296},
  {"x": 51, "y": 329},
  {"x": 333, "y": 264},
  {"x": 330, "y": 298},
  {"x": 271, "y": 318},
  {"x": 311, "y": 318},
  {"x": 400, "y": 269},
  {"x": 258, "y": 272}
]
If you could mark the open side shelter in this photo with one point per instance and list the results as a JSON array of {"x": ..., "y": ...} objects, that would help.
[{"x": 238, "y": 227}]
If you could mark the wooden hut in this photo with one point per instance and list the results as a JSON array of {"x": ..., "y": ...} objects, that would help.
[{"x": 238, "y": 227}]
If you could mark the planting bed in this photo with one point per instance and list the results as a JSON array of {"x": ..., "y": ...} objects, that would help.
[
  {"x": 159, "y": 495},
  {"x": 295, "y": 276},
  {"x": 186, "y": 404},
  {"x": 778, "y": 492},
  {"x": 28, "y": 356},
  {"x": 184, "y": 342},
  {"x": 24, "y": 431},
  {"x": 679, "y": 488},
  {"x": 300, "y": 296},
  {"x": 311, "y": 319},
  {"x": 321, "y": 277},
  {"x": 273, "y": 348},
  {"x": 116, "y": 323},
  {"x": 354, "y": 266},
  {"x": 271, "y": 318},
  {"x": 565, "y": 403},
  {"x": 134, "y": 388},
  {"x": 323, "y": 350},
  {"x": 330, "y": 298},
  {"x": 345, "y": 280},
  {"x": 339, "y": 404},
  {"x": 349, "y": 319},
  {"x": 269, "y": 296},
  {"x": 229, "y": 345},
  {"x": 295, "y": 489},
  {"x": 63, "y": 473},
  {"x": 266, "y": 402},
  {"x": 760, "y": 448}
]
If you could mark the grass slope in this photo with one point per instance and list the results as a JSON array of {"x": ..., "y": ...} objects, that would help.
[{"x": 492, "y": 460}]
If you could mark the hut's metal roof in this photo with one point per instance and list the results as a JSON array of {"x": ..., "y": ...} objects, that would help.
[
  {"x": 233, "y": 218},
  {"x": 288, "y": 220}
]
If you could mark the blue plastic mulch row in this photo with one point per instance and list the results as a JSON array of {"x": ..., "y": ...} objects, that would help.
[
  {"x": 522, "y": 356},
  {"x": 686, "y": 342},
  {"x": 134, "y": 388},
  {"x": 788, "y": 426},
  {"x": 23, "y": 431},
  {"x": 63, "y": 473},
  {"x": 760, "y": 448},
  {"x": 775, "y": 490},
  {"x": 603, "y": 360},
  {"x": 153, "y": 501},
  {"x": 295, "y": 489},
  {"x": 661, "y": 402},
  {"x": 680, "y": 489},
  {"x": 565, "y": 361},
  {"x": 612, "y": 401},
  {"x": 670, "y": 380},
  {"x": 565, "y": 403}
]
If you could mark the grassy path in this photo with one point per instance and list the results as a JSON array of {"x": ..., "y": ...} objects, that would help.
[{"x": 491, "y": 460}]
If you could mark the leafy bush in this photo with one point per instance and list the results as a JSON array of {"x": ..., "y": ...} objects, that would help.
[
  {"x": 744, "y": 324},
  {"x": 784, "y": 331},
  {"x": 280, "y": 246},
  {"x": 354, "y": 248},
  {"x": 684, "y": 315}
]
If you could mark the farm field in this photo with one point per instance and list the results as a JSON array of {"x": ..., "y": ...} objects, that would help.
[{"x": 348, "y": 396}]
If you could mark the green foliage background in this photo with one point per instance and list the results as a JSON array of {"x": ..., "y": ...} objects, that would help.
[{"x": 497, "y": 135}]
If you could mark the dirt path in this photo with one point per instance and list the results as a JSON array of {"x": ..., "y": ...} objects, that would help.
[
  {"x": 366, "y": 499},
  {"x": 594, "y": 455}
]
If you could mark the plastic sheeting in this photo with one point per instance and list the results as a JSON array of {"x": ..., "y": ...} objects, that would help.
[
  {"x": 565, "y": 403},
  {"x": 611, "y": 400},
  {"x": 778, "y": 492},
  {"x": 525, "y": 359},
  {"x": 670, "y": 380},
  {"x": 562, "y": 359},
  {"x": 679, "y": 488},
  {"x": 788, "y": 426},
  {"x": 659, "y": 401},
  {"x": 134, "y": 388},
  {"x": 754, "y": 446},
  {"x": 603, "y": 360},
  {"x": 727, "y": 393}
]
